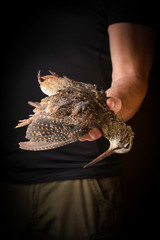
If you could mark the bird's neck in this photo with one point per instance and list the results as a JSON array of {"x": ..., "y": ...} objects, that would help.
[{"x": 112, "y": 126}]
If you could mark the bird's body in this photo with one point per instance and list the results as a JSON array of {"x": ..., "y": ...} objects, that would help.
[{"x": 72, "y": 109}]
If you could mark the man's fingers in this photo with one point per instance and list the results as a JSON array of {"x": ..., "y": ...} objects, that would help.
[{"x": 92, "y": 135}]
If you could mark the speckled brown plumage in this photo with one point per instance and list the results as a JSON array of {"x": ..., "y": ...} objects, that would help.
[{"x": 71, "y": 110}]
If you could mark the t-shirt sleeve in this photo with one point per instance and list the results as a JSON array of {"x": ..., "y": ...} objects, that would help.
[{"x": 132, "y": 11}]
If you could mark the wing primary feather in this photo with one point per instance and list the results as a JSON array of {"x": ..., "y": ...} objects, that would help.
[{"x": 38, "y": 146}]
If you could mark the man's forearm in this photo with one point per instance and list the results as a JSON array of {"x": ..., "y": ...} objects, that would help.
[{"x": 132, "y": 50}]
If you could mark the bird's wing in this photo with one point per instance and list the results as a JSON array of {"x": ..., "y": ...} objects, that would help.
[{"x": 46, "y": 132}]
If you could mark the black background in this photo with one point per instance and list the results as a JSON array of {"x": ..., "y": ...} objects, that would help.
[{"x": 140, "y": 180}]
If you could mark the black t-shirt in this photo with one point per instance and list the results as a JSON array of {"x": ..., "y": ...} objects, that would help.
[{"x": 71, "y": 39}]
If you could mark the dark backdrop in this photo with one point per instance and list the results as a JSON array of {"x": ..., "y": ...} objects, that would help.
[{"x": 140, "y": 179}]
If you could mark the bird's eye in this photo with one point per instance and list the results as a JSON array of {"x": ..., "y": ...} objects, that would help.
[{"x": 127, "y": 145}]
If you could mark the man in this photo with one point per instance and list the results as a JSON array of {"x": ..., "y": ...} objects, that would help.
[{"x": 48, "y": 195}]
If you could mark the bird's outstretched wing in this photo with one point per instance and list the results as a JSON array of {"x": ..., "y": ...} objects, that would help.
[{"x": 46, "y": 132}]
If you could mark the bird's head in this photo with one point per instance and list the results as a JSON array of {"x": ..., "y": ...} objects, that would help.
[{"x": 121, "y": 143}]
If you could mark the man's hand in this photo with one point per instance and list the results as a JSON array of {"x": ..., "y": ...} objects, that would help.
[{"x": 126, "y": 96}]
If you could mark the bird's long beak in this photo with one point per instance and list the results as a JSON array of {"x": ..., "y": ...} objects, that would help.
[{"x": 101, "y": 157}]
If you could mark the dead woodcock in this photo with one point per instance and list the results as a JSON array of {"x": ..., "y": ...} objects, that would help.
[{"x": 72, "y": 109}]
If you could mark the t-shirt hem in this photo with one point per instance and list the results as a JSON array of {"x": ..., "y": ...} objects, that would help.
[{"x": 44, "y": 176}]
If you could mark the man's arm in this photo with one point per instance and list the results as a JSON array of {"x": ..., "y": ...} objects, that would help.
[{"x": 132, "y": 53}]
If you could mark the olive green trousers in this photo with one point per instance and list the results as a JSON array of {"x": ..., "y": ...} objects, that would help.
[{"x": 85, "y": 209}]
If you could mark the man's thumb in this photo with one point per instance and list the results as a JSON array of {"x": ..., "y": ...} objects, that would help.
[{"x": 114, "y": 104}]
